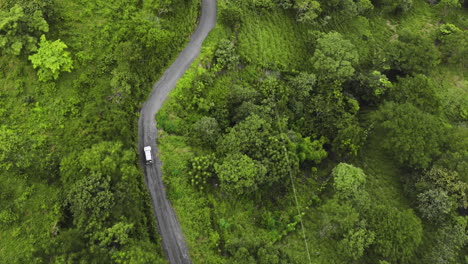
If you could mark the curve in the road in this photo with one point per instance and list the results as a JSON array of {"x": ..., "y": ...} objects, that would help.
[{"x": 173, "y": 242}]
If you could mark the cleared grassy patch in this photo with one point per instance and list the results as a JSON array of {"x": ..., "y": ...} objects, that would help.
[{"x": 273, "y": 39}]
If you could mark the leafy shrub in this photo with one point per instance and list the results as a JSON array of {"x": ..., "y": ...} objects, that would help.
[
  {"x": 239, "y": 174},
  {"x": 397, "y": 233},
  {"x": 201, "y": 170},
  {"x": 51, "y": 59}
]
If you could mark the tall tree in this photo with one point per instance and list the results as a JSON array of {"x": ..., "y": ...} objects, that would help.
[
  {"x": 20, "y": 30},
  {"x": 334, "y": 57},
  {"x": 413, "y": 137},
  {"x": 51, "y": 59},
  {"x": 397, "y": 233}
]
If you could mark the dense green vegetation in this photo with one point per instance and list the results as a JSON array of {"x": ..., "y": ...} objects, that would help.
[
  {"x": 308, "y": 131},
  {"x": 323, "y": 132},
  {"x": 72, "y": 77}
]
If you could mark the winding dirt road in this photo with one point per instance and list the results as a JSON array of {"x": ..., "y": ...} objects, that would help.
[{"x": 173, "y": 242}]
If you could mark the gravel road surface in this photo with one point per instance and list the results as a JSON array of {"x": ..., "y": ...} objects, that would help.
[{"x": 173, "y": 242}]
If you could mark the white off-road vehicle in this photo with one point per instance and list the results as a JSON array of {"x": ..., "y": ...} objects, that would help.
[{"x": 148, "y": 156}]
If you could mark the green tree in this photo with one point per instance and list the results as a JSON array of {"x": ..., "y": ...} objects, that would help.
[
  {"x": 397, "y": 233},
  {"x": 347, "y": 180},
  {"x": 449, "y": 181},
  {"x": 91, "y": 200},
  {"x": 307, "y": 10},
  {"x": 447, "y": 5},
  {"x": 418, "y": 90},
  {"x": 225, "y": 55},
  {"x": 413, "y": 53},
  {"x": 370, "y": 87},
  {"x": 239, "y": 174},
  {"x": 206, "y": 130},
  {"x": 248, "y": 137},
  {"x": 116, "y": 236},
  {"x": 231, "y": 16},
  {"x": 413, "y": 137},
  {"x": 19, "y": 30},
  {"x": 434, "y": 205},
  {"x": 138, "y": 253},
  {"x": 327, "y": 112},
  {"x": 394, "y": 6},
  {"x": 268, "y": 255},
  {"x": 353, "y": 245},
  {"x": 334, "y": 57},
  {"x": 452, "y": 51},
  {"x": 337, "y": 218},
  {"x": 302, "y": 84},
  {"x": 349, "y": 140},
  {"x": 201, "y": 170},
  {"x": 51, "y": 59},
  {"x": 307, "y": 150},
  {"x": 450, "y": 239}
]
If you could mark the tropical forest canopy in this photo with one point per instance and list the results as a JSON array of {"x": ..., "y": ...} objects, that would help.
[{"x": 308, "y": 131}]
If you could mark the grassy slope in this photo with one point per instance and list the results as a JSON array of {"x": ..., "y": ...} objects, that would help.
[{"x": 273, "y": 39}]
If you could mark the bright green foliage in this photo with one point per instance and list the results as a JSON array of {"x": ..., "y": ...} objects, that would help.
[
  {"x": 117, "y": 235},
  {"x": 19, "y": 30},
  {"x": 451, "y": 47},
  {"x": 413, "y": 137},
  {"x": 371, "y": 87},
  {"x": 142, "y": 253},
  {"x": 226, "y": 56},
  {"x": 248, "y": 137},
  {"x": 379, "y": 83},
  {"x": 307, "y": 150},
  {"x": 355, "y": 243},
  {"x": 10, "y": 149},
  {"x": 434, "y": 205},
  {"x": 51, "y": 59},
  {"x": 239, "y": 174},
  {"x": 307, "y": 10},
  {"x": 272, "y": 40},
  {"x": 347, "y": 179},
  {"x": 334, "y": 57},
  {"x": 201, "y": 170},
  {"x": 53, "y": 132},
  {"x": 397, "y": 233}
]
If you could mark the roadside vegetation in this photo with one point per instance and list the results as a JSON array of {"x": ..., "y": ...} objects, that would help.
[
  {"x": 323, "y": 132},
  {"x": 72, "y": 77}
]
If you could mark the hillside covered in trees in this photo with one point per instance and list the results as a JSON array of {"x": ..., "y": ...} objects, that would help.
[
  {"x": 308, "y": 131},
  {"x": 73, "y": 74},
  {"x": 323, "y": 132}
]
